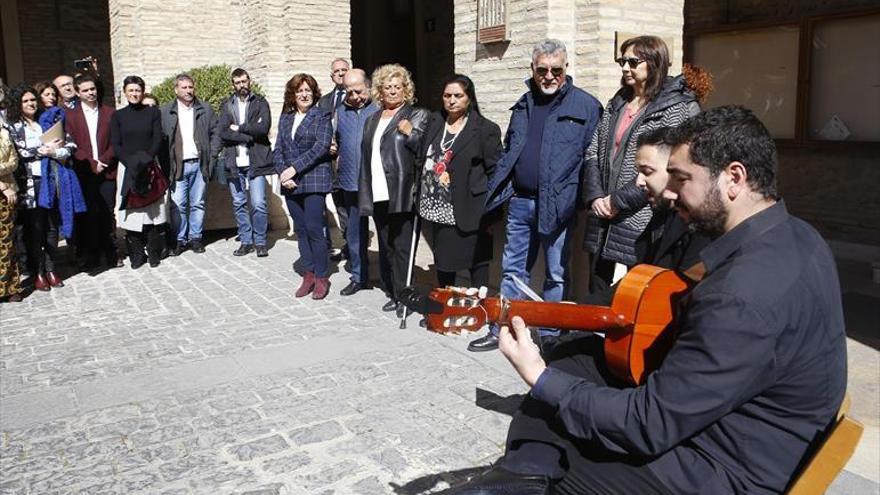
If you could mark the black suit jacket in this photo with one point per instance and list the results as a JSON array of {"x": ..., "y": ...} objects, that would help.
[{"x": 475, "y": 154}]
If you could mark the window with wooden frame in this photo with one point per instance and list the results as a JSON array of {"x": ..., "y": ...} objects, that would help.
[
  {"x": 491, "y": 21},
  {"x": 811, "y": 81}
]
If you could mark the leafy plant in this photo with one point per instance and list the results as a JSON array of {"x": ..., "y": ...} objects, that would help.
[{"x": 213, "y": 85}]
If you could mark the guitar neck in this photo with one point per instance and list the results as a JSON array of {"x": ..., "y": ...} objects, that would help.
[{"x": 564, "y": 316}]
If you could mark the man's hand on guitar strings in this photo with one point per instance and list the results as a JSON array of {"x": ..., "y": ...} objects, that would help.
[{"x": 518, "y": 347}]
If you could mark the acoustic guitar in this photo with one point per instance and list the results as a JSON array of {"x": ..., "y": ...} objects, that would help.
[{"x": 637, "y": 325}]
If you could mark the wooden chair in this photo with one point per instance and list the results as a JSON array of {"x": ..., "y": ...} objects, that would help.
[{"x": 831, "y": 456}]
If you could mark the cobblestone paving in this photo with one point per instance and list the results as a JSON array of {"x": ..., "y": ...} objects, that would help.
[{"x": 89, "y": 406}]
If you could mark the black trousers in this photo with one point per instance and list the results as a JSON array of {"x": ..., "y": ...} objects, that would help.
[
  {"x": 394, "y": 231},
  {"x": 479, "y": 277},
  {"x": 601, "y": 273},
  {"x": 95, "y": 229},
  {"x": 40, "y": 233},
  {"x": 537, "y": 442}
]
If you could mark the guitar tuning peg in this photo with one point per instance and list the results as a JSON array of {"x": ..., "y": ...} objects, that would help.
[
  {"x": 484, "y": 291},
  {"x": 471, "y": 291}
]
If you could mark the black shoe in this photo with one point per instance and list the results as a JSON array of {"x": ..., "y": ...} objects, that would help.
[
  {"x": 501, "y": 481},
  {"x": 197, "y": 246},
  {"x": 243, "y": 250},
  {"x": 483, "y": 344},
  {"x": 337, "y": 257},
  {"x": 178, "y": 249},
  {"x": 154, "y": 263},
  {"x": 391, "y": 305},
  {"x": 262, "y": 252},
  {"x": 352, "y": 288},
  {"x": 400, "y": 309}
]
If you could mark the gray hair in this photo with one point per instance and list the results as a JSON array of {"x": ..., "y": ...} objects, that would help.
[
  {"x": 183, "y": 77},
  {"x": 340, "y": 59},
  {"x": 549, "y": 46}
]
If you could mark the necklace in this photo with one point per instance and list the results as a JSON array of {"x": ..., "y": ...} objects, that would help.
[{"x": 448, "y": 138}]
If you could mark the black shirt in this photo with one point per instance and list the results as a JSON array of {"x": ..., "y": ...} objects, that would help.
[
  {"x": 525, "y": 171},
  {"x": 757, "y": 372}
]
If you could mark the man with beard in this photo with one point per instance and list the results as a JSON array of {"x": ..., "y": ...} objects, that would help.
[
  {"x": 244, "y": 125},
  {"x": 757, "y": 371}
]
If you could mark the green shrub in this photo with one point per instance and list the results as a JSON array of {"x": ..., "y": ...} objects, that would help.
[{"x": 213, "y": 85}]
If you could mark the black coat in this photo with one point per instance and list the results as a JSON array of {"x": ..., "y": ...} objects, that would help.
[
  {"x": 253, "y": 133},
  {"x": 476, "y": 153},
  {"x": 399, "y": 159}
]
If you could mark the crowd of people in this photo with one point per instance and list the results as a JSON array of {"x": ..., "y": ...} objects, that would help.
[{"x": 757, "y": 369}]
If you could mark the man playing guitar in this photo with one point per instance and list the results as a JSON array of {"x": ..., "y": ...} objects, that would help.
[{"x": 757, "y": 370}]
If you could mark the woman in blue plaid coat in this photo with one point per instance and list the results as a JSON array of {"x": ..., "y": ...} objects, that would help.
[{"x": 302, "y": 160}]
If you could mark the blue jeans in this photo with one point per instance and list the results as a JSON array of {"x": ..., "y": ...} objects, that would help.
[
  {"x": 250, "y": 231},
  {"x": 521, "y": 252},
  {"x": 357, "y": 237},
  {"x": 309, "y": 223},
  {"x": 189, "y": 198}
]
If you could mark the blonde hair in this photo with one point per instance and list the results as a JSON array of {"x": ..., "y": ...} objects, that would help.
[{"x": 385, "y": 73}]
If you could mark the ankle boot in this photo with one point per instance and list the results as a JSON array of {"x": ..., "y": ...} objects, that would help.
[
  {"x": 322, "y": 287},
  {"x": 54, "y": 280},
  {"x": 307, "y": 285},
  {"x": 40, "y": 282},
  {"x": 155, "y": 244},
  {"x": 134, "y": 244}
]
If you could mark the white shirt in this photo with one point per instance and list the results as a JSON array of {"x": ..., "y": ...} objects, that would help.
[
  {"x": 186, "y": 120},
  {"x": 92, "y": 123},
  {"x": 32, "y": 138},
  {"x": 297, "y": 120},
  {"x": 242, "y": 159},
  {"x": 380, "y": 182}
]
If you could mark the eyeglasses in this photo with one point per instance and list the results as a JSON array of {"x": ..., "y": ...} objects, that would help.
[
  {"x": 556, "y": 71},
  {"x": 632, "y": 61}
]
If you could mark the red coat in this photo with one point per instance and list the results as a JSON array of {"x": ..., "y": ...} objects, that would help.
[{"x": 75, "y": 122}]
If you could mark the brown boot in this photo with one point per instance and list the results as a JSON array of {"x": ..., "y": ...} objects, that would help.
[
  {"x": 40, "y": 282},
  {"x": 54, "y": 280},
  {"x": 307, "y": 285},
  {"x": 322, "y": 287}
]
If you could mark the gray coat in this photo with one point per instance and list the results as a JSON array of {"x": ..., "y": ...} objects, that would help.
[
  {"x": 615, "y": 239},
  {"x": 206, "y": 137}
]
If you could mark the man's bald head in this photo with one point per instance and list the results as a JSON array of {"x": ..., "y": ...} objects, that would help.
[{"x": 357, "y": 88}]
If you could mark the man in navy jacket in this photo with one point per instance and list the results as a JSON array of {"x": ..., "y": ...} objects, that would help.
[{"x": 538, "y": 175}]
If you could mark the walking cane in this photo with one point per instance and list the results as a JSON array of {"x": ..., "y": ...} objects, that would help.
[{"x": 409, "y": 267}]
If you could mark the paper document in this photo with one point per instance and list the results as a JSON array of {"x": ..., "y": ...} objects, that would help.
[{"x": 53, "y": 133}]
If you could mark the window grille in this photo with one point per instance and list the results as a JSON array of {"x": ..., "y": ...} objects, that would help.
[{"x": 491, "y": 21}]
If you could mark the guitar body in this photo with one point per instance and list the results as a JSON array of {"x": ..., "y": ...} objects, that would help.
[
  {"x": 647, "y": 297},
  {"x": 637, "y": 325}
]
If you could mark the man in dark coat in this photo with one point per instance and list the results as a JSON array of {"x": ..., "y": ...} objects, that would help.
[
  {"x": 538, "y": 176},
  {"x": 190, "y": 130},
  {"x": 755, "y": 375},
  {"x": 244, "y": 125},
  {"x": 95, "y": 163}
]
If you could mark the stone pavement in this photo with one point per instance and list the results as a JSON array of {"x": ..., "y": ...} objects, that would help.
[{"x": 206, "y": 376}]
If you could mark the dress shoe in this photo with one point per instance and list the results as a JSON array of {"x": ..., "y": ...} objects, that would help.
[
  {"x": 400, "y": 309},
  {"x": 483, "y": 344},
  {"x": 391, "y": 305},
  {"x": 322, "y": 287},
  {"x": 154, "y": 263},
  {"x": 14, "y": 298},
  {"x": 262, "y": 252},
  {"x": 352, "y": 288},
  {"x": 178, "y": 249},
  {"x": 340, "y": 256},
  {"x": 54, "y": 280},
  {"x": 40, "y": 283},
  {"x": 243, "y": 250},
  {"x": 197, "y": 246},
  {"x": 307, "y": 285},
  {"x": 499, "y": 481}
]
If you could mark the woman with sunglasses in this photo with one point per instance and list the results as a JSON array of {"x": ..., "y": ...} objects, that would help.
[{"x": 619, "y": 210}]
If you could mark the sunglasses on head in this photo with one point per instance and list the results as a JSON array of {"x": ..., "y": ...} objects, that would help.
[
  {"x": 632, "y": 61},
  {"x": 556, "y": 71}
]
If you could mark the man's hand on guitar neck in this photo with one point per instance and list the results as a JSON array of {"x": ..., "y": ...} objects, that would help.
[{"x": 518, "y": 347}]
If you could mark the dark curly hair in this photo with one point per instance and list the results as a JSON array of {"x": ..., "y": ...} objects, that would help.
[
  {"x": 698, "y": 80},
  {"x": 290, "y": 91},
  {"x": 728, "y": 134},
  {"x": 13, "y": 110}
]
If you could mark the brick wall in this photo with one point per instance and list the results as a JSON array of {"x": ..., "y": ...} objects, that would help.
[{"x": 54, "y": 33}]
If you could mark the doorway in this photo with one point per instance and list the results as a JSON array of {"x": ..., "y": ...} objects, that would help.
[{"x": 417, "y": 34}]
